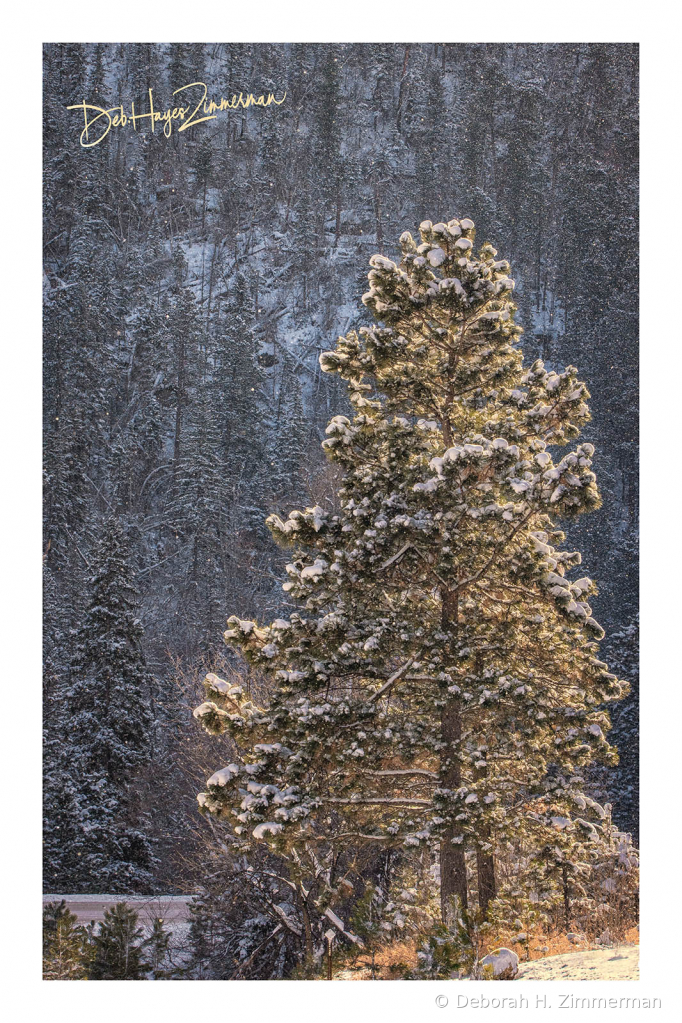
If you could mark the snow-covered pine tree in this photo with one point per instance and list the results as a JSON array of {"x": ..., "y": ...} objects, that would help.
[
  {"x": 624, "y": 658},
  {"x": 196, "y": 513},
  {"x": 594, "y": 869},
  {"x": 292, "y": 432},
  {"x": 109, "y": 728},
  {"x": 58, "y": 789},
  {"x": 243, "y": 416},
  {"x": 136, "y": 444},
  {"x": 441, "y": 683}
]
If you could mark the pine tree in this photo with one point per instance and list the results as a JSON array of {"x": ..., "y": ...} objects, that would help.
[
  {"x": 58, "y": 792},
  {"x": 291, "y": 433},
  {"x": 109, "y": 726},
  {"x": 77, "y": 362},
  {"x": 118, "y": 946},
  {"x": 137, "y": 444},
  {"x": 239, "y": 381},
  {"x": 593, "y": 868},
  {"x": 441, "y": 684},
  {"x": 62, "y": 812},
  {"x": 196, "y": 514},
  {"x": 65, "y": 949},
  {"x": 624, "y": 656},
  {"x": 381, "y": 915},
  {"x": 186, "y": 331},
  {"x": 542, "y": 142},
  {"x": 203, "y": 169},
  {"x": 157, "y": 946}
]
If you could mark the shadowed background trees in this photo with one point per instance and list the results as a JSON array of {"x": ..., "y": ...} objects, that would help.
[{"x": 191, "y": 283}]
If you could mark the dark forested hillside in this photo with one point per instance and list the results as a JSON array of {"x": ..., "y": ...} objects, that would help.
[{"x": 190, "y": 284}]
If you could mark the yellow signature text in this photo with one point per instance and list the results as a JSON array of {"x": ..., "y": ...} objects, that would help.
[{"x": 98, "y": 121}]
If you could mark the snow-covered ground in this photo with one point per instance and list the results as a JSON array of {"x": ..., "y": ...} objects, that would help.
[{"x": 618, "y": 963}]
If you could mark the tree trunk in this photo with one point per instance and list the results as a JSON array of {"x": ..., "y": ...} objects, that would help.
[
  {"x": 210, "y": 287},
  {"x": 180, "y": 397},
  {"x": 337, "y": 225},
  {"x": 485, "y": 866},
  {"x": 493, "y": 147},
  {"x": 453, "y": 873},
  {"x": 538, "y": 258},
  {"x": 307, "y": 930},
  {"x": 377, "y": 213},
  {"x": 485, "y": 861},
  {"x": 401, "y": 90},
  {"x": 567, "y": 901}
]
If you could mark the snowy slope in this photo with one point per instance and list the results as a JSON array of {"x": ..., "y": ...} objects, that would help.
[{"x": 618, "y": 963}]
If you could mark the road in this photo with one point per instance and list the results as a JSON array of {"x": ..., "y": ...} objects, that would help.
[{"x": 172, "y": 909}]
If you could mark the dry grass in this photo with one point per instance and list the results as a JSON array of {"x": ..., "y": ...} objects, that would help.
[
  {"x": 392, "y": 959},
  {"x": 389, "y": 962},
  {"x": 550, "y": 944}
]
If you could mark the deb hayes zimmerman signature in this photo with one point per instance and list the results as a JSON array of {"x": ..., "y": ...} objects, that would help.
[{"x": 99, "y": 121}]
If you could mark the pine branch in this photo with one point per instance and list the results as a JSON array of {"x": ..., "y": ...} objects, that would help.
[{"x": 394, "y": 678}]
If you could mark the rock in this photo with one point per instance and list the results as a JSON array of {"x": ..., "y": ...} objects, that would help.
[
  {"x": 504, "y": 963},
  {"x": 574, "y": 938}
]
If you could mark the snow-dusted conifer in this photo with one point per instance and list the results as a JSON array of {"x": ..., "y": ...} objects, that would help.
[
  {"x": 65, "y": 947},
  {"x": 109, "y": 730},
  {"x": 118, "y": 946},
  {"x": 440, "y": 684},
  {"x": 196, "y": 512}
]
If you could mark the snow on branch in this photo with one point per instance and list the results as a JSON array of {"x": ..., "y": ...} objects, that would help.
[
  {"x": 394, "y": 678},
  {"x": 396, "y": 557},
  {"x": 333, "y": 918}
]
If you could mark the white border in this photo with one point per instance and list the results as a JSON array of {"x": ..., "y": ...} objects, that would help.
[{"x": 652, "y": 26}]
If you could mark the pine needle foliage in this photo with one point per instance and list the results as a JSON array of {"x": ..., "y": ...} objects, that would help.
[{"x": 440, "y": 685}]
